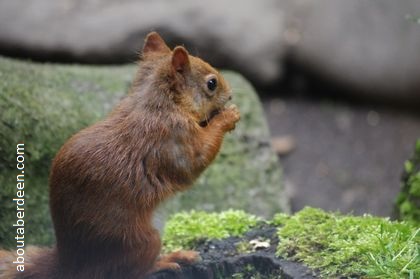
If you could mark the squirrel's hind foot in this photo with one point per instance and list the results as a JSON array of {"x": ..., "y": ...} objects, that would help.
[
  {"x": 172, "y": 260},
  {"x": 183, "y": 256}
]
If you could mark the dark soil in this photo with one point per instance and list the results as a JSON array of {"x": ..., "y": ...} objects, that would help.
[{"x": 236, "y": 258}]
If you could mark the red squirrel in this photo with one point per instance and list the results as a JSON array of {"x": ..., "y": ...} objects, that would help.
[{"x": 107, "y": 180}]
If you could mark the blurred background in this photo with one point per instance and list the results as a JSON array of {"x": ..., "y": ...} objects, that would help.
[{"x": 339, "y": 80}]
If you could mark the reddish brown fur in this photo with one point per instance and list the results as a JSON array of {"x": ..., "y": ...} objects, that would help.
[{"x": 107, "y": 180}]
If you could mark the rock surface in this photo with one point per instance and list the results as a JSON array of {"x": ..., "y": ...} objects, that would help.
[
  {"x": 369, "y": 46},
  {"x": 111, "y": 31},
  {"x": 44, "y": 104},
  {"x": 347, "y": 157}
]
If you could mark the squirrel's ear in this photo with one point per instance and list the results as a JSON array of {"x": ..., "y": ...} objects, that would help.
[
  {"x": 154, "y": 43},
  {"x": 180, "y": 59}
]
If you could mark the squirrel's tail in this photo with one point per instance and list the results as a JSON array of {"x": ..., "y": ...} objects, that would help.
[{"x": 36, "y": 263}]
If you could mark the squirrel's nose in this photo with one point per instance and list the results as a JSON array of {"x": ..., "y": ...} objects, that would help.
[{"x": 230, "y": 97}]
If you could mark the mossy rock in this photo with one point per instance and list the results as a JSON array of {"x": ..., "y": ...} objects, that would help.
[
  {"x": 42, "y": 105},
  {"x": 408, "y": 200},
  {"x": 330, "y": 244}
]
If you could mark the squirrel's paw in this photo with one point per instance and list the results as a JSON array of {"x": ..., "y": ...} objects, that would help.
[
  {"x": 172, "y": 260},
  {"x": 183, "y": 256},
  {"x": 161, "y": 265},
  {"x": 230, "y": 116}
]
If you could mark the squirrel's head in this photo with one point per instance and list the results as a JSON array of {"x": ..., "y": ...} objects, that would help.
[{"x": 188, "y": 81}]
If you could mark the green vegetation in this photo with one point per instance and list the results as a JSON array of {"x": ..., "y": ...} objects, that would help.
[
  {"x": 343, "y": 245},
  {"x": 186, "y": 230},
  {"x": 408, "y": 201},
  {"x": 332, "y": 243}
]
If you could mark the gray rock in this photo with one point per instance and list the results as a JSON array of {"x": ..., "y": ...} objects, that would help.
[
  {"x": 347, "y": 158},
  {"x": 368, "y": 46},
  {"x": 92, "y": 31}
]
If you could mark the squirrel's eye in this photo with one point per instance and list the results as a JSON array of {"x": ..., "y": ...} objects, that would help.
[{"x": 212, "y": 84}]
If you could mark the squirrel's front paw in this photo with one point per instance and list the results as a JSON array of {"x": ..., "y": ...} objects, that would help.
[{"x": 230, "y": 116}]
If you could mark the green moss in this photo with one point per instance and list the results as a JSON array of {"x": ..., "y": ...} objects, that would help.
[
  {"x": 340, "y": 245},
  {"x": 42, "y": 105},
  {"x": 185, "y": 230},
  {"x": 280, "y": 219}
]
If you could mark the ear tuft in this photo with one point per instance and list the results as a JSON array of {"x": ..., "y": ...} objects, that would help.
[
  {"x": 180, "y": 59},
  {"x": 154, "y": 43}
]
